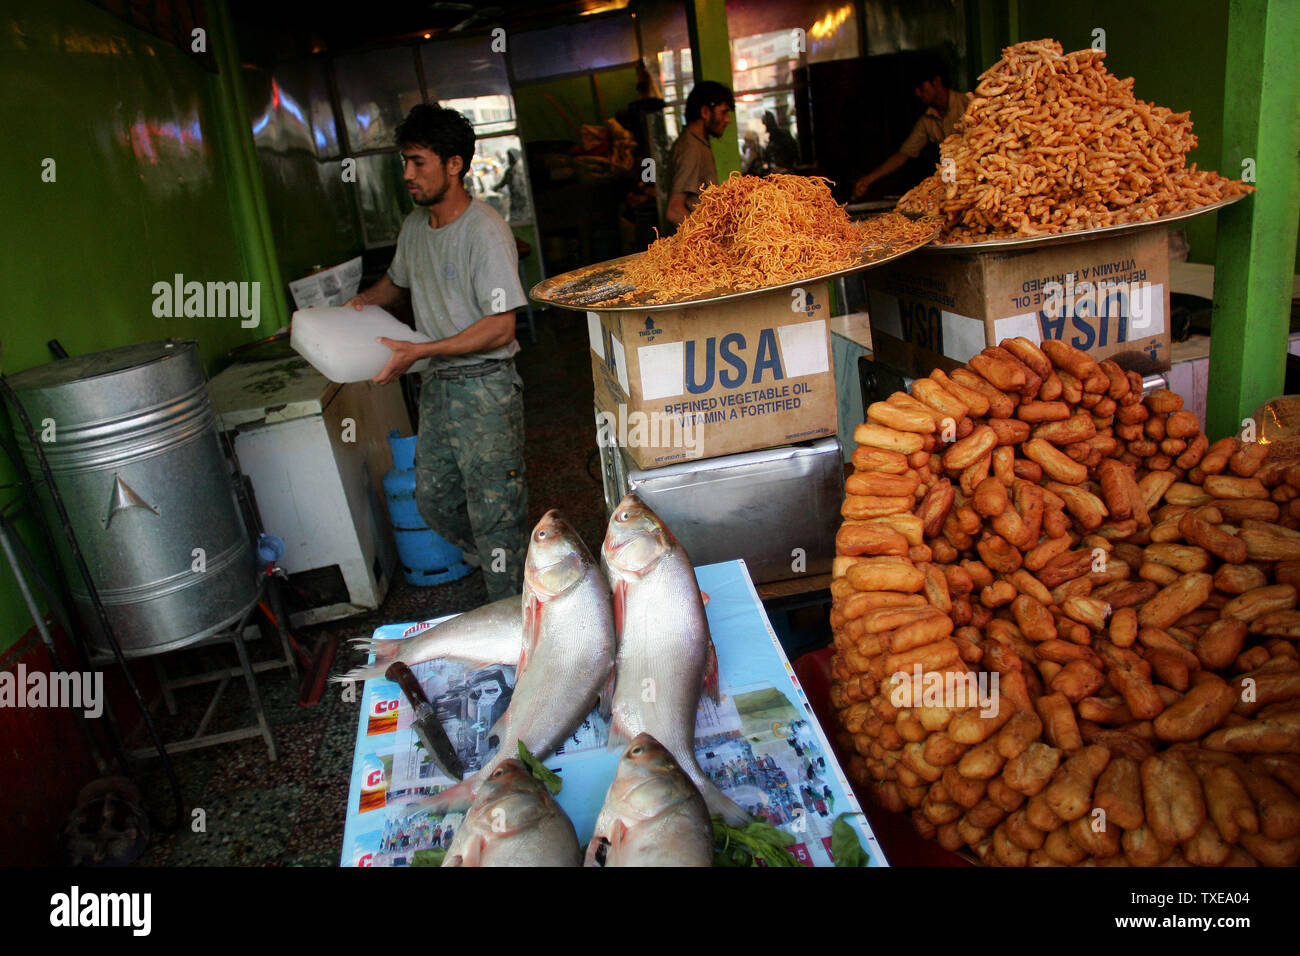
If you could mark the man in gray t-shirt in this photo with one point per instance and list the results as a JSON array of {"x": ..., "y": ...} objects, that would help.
[
  {"x": 691, "y": 164},
  {"x": 457, "y": 274},
  {"x": 457, "y": 258}
]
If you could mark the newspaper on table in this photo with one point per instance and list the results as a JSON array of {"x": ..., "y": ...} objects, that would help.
[
  {"x": 760, "y": 744},
  {"x": 468, "y": 703},
  {"x": 332, "y": 286}
]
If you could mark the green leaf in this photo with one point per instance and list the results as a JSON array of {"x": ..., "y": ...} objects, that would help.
[
  {"x": 428, "y": 857},
  {"x": 549, "y": 777},
  {"x": 846, "y": 848},
  {"x": 766, "y": 833},
  {"x": 745, "y": 846}
]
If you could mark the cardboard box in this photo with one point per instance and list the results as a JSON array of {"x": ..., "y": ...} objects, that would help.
[
  {"x": 703, "y": 381},
  {"x": 1108, "y": 297}
]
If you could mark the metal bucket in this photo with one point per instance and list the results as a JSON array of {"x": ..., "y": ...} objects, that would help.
[{"x": 132, "y": 442}]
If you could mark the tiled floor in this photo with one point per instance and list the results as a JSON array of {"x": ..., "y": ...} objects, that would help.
[{"x": 290, "y": 812}]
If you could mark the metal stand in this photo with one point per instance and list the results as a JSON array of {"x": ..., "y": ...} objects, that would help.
[{"x": 223, "y": 677}]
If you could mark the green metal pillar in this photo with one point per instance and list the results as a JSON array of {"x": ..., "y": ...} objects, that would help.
[
  {"x": 1256, "y": 245},
  {"x": 989, "y": 25},
  {"x": 243, "y": 177},
  {"x": 988, "y": 30},
  {"x": 711, "y": 59}
]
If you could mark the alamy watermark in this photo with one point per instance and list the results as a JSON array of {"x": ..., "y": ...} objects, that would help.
[
  {"x": 208, "y": 300},
  {"x": 75, "y": 909},
  {"x": 78, "y": 690},
  {"x": 652, "y": 429},
  {"x": 946, "y": 689}
]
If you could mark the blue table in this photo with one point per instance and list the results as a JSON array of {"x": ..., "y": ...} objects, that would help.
[{"x": 761, "y": 744}]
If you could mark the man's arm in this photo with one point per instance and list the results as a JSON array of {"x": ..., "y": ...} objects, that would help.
[
  {"x": 910, "y": 149},
  {"x": 383, "y": 293},
  {"x": 676, "y": 210},
  {"x": 880, "y": 172},
  {"x": 489, "y": 332},
  {"x": 691, "y": 171}
]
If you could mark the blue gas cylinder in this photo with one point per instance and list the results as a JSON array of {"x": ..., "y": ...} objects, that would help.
[{"x": 426, "y": 558}]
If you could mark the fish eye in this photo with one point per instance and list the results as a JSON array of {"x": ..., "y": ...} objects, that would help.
[
  {"x": 499, "y": 771},
  {"x": 541, "y": 535},
  {"x": 624, "y": 516},
  {"x": 637, "y": 751}
]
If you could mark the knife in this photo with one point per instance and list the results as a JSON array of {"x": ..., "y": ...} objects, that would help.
[{"x": 426, "y": 725}]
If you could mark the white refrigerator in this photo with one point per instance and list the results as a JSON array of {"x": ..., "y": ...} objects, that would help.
[{"x": 314, "y": 454}]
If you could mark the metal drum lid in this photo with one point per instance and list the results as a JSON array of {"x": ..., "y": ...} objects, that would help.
[
  {"x": 95, "y": 364},
  {"x": 109, "y": 388}
]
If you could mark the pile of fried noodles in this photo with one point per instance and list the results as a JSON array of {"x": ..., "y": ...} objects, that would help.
[{"x": 750, "y": 232}]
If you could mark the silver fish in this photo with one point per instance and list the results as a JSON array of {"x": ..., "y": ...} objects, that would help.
[
  {"x": 567, "y": 661},
  {"x": 491, "y": 634},
  {"x": 653, "y": 815},
  {"x": 665, "y": 653},
  {"x": 514, "y": 821}
]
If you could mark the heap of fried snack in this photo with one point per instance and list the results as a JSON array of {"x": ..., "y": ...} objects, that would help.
[
  {"x": 1032, "y": 517},
  {"x": 1052, "y": 142},
  {"x": 750, "y": 232}
]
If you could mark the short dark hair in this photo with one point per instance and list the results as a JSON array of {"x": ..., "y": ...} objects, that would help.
[
  {"x": 707, "y": 93},
  {"x": 927, "y": 69},
  {"x": 444, "y": 131}
]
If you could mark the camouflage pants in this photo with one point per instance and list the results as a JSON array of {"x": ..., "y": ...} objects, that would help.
[{"x": 469, "y": 471}]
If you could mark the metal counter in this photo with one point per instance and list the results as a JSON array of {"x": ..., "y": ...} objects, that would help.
[{"x": 777, "y": 508}]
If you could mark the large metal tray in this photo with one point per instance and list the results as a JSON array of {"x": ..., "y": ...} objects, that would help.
[
  {"x": 863, "y": 210},
  {"x": 583, "y": 289},
  {"x": 1059, "y": 238}
]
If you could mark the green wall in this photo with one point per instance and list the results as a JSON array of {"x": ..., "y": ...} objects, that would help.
[
  {"x": 312, "y": 216},
  {"x": 539, "y": 120},
  {"x": 139, "y": 195},
  {"x": 711, "y": 56}
]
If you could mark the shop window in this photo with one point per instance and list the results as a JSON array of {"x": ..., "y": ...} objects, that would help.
[
  {"x": 292, "y": 109},
  {"x": 770, "y": 39},
  {"x": 573, "y": 48},
  {"x": 666, "y": 46},
  {"x": 499, "y": 176},
  {"x": 376, "y": 91},
  {"x": 381, "y": 196}
]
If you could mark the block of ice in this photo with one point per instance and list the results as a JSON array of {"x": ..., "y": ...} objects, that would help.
[{"x": 340, "y": 341}]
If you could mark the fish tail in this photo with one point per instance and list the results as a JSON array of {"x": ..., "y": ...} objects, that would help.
[
  {"x": 458, "y": 797},
  {"x": 620, "y": 735},
  {"x": 719, "y": 803},
  {"x": 358, "y": 674},
  {"x": 385, "y": 652}
]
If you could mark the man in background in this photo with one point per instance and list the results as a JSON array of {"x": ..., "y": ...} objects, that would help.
[
  {"x": 944, "y": 107},
  {"x": 782, "y": 152},
  {"x": 644, "y": 118},
  {"x": 691, "y": 165},
  {"x": 457, "y": 257}
]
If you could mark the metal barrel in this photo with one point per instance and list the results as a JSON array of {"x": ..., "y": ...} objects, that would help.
[{"x": 131, "y": 440}]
